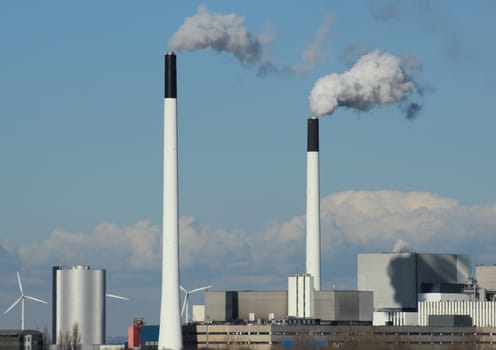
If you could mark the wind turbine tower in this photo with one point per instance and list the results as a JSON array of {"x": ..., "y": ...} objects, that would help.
[
  {"x": 185, "y": 308},
  {"x": 21, "y": 300}
]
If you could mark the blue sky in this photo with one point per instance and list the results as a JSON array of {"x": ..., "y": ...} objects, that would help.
[{"x": 81, "y": 86}]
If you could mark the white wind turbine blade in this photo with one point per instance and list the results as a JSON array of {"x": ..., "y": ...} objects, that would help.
[
  {"x": 116, "y": 296},
  {"x": 13, "y": 305},
  {"x": 200, "y": 289},
  {"x": 186, "y": 293},
  {"x": 184, "y": 309},
  {"x": 20, "y": 284},
  {"x": 35, "y": 299}
]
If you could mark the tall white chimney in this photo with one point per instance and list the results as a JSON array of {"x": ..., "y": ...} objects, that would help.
[
  {"x": 170, "y": 335},
  {"x": 313, "y": 203}
]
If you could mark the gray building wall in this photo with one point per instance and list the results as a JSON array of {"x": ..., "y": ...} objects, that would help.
[
  {"x": 261, "y": 303},
  {"x": 324, "y": 305},
  {"x": 366, "y": 302},
  {"x": 329, "y": 305},
  {"x": 21, "y": 339},
  {"x": 391, "y": 276},
  {"x": 221, "y": 306},
  {"x": 342, "y": 305},
  {"x": 442, "y": 268},
  {"x": 396, "y": 278},
  {"x": 486, "y": 276}
]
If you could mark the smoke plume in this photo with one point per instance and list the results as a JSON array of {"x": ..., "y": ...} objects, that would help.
[
  {"x": 228, "y": 33},
  {"x": 221, "y": 32},
  {"x": 313, "y": 54},
  {"x": 375, "y": 79}
]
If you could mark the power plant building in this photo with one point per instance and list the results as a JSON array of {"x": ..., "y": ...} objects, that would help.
[
  {"x": 229, "y": 306},
  {"x": 79, "y": 298},
  {"x": 398, "y": 278},
  {"x": 333, "y": 306},
  {"x": 486, "y": 277}
]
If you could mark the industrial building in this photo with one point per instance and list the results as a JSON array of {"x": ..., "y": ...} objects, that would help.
[
  {"x": 298, "y": 336},
  {"x": 422, "y": 300},
  {"x": 485, "y": 276},
  {"x": 271, "y": 336},
  {"x": 398, "y": 278},
  {"x": 416, "y": 289},
  {"x": 78, "y": 298},
  {"x": 300, "y": 301},
  {"x": 21, "y": 340}
]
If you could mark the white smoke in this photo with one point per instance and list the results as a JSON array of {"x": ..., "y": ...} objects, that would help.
[
  {"x": 221, "y": 32},
  {"x": 375, "y": 79},
  {"x": 401, "y": 246},
  {"x": 228, "y": 33},
  {"x": 313, "y": 54}
]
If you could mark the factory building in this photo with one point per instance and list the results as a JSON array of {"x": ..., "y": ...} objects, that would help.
[
  {"x": 480, "y": 314},
  {"x": 301, "y": 296},
  {"x": 485, "y": 276},
  {"x": 413, "y": 289},
  {"x": 78, "y": 298},
  {"x": 398, "y": 278},
  {"x": 270, "y": 336},
  {"x": 344, "y": 306},
  {"x": 335, "y": 306},
  {"x": 21, "y": 339},
  {"x": 239, "y": 306}
]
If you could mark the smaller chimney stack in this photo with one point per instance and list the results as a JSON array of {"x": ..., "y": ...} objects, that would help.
[{"x": 313, "y": 203}]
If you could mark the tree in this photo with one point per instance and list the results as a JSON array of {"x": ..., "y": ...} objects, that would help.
[
  {"x": 70, "y": 341},
  {"x": 76, "y": 337}
]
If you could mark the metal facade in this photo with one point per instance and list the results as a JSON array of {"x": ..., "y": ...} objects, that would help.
[
  {"x": 483, "y": 313},
  {"x": 80, "y": 298}
]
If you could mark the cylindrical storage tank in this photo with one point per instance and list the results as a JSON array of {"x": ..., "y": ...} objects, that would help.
[{"x": 80, "y": 299}]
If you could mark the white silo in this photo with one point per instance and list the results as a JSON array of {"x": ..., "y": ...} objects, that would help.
[{"x": 79, "y": 297}]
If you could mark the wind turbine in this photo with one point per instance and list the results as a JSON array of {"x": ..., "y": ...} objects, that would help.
[
  {"x": 185, "y": 307},
  {"x": 21, "y": 299},
  {"x": 116, "y": 296}
]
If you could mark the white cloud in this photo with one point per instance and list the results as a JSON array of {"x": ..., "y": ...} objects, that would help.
[
  {"x": 135, "y": 246},
  {"x": 352, "y": 221}
]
